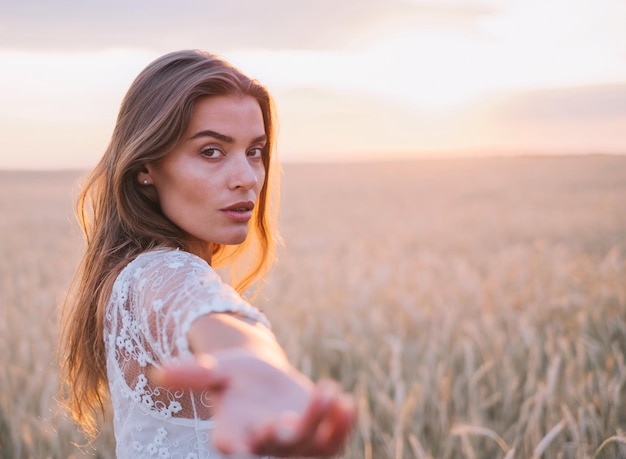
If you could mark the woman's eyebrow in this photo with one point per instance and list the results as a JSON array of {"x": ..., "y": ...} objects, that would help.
[
  {"x": 223, "y": 137},
  {"x": 261, "y": 138},
  {"x": 215, "y": 135}
]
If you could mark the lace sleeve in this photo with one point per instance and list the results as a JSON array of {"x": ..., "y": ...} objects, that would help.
[{"x": 171, "y": 291}]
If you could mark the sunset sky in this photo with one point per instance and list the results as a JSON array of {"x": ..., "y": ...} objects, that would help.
[{"x": 353, "y": 79}]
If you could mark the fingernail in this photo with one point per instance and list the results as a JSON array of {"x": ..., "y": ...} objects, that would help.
[{"x": 285, "y": 434}]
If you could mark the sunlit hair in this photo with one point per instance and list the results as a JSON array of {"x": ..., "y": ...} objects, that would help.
[{"x": 121, "y": 218}]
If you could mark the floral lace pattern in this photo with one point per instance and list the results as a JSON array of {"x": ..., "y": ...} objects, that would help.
[{"x": 153, "y": 303}]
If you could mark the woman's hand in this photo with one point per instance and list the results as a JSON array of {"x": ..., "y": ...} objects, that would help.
[{"x": 265, "y": 409}]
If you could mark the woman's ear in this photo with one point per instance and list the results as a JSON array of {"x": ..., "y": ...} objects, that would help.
[{"x": 144, "y": 177}]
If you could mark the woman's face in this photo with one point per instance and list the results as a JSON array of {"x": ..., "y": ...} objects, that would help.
[{"x": 209, "y": 183}]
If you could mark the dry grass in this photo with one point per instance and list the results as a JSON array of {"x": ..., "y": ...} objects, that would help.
[{"x": 477, "y": 308}]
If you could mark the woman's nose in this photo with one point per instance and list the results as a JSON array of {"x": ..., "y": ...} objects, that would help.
[{"x": 242, "y": 174}]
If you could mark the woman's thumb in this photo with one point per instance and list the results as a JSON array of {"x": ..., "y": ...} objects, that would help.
[{"x": 201, "y": 373}]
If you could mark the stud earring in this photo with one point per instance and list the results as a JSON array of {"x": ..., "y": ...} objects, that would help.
[{"x": 145, "y": 181}]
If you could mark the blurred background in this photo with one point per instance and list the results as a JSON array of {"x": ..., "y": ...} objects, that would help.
[
  {"x": 475, "y": 305},
  {"x": 354, "y": 80}
]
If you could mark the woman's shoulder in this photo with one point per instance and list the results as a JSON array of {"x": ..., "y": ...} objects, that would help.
[
  {"x": 179, "y": 280},
  {"x": 167, "y": 264},
  {"x": 168, "y": 259}
]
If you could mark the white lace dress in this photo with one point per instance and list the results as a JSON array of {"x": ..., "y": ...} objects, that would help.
[{"x": 153, "y": 303}]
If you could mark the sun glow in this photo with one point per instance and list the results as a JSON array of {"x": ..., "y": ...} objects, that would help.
[
  {"x": 417, "y": 68},
  {"x": 420, "y": 83},
  {"x": 67, "y": 86}
]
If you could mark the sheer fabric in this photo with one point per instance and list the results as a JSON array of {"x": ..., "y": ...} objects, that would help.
[{"x": 153, "y": 303}]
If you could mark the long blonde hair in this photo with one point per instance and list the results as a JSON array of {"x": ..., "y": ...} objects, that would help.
[{"x": 121, "y": 219}]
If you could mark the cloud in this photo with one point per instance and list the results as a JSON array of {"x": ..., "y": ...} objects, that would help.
[
  {"x": 379, "y": 75},
  {"x": 595, "y": 102},
  {"x": 71, "y": 25}
]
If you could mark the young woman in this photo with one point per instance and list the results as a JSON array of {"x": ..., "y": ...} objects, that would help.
[{"x": 192, "y": 369}]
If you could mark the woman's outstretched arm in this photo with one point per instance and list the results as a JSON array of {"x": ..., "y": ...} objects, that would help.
[{"x": 263, "y": 405}]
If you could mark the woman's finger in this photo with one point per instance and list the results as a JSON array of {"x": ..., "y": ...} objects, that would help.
[
  {"x": 276, "y": 438},
  {"x": 293, "y": 435},
  {"x": 332, "y": 434},
  {"x": 322, "y": 398}
]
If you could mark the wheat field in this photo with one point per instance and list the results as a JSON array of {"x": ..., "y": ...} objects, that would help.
[{"x": 476, "y": 308}]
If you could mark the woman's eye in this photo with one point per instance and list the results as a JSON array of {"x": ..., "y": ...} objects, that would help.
[
  {"x": 255, "y": 152},
  {"x": 210, "y": 152}
]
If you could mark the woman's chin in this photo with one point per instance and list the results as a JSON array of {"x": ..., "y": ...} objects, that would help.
[{"x": 235, "y": 239}]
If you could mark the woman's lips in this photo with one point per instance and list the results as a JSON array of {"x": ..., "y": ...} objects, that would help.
[{"x": 240, "y": 211}]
